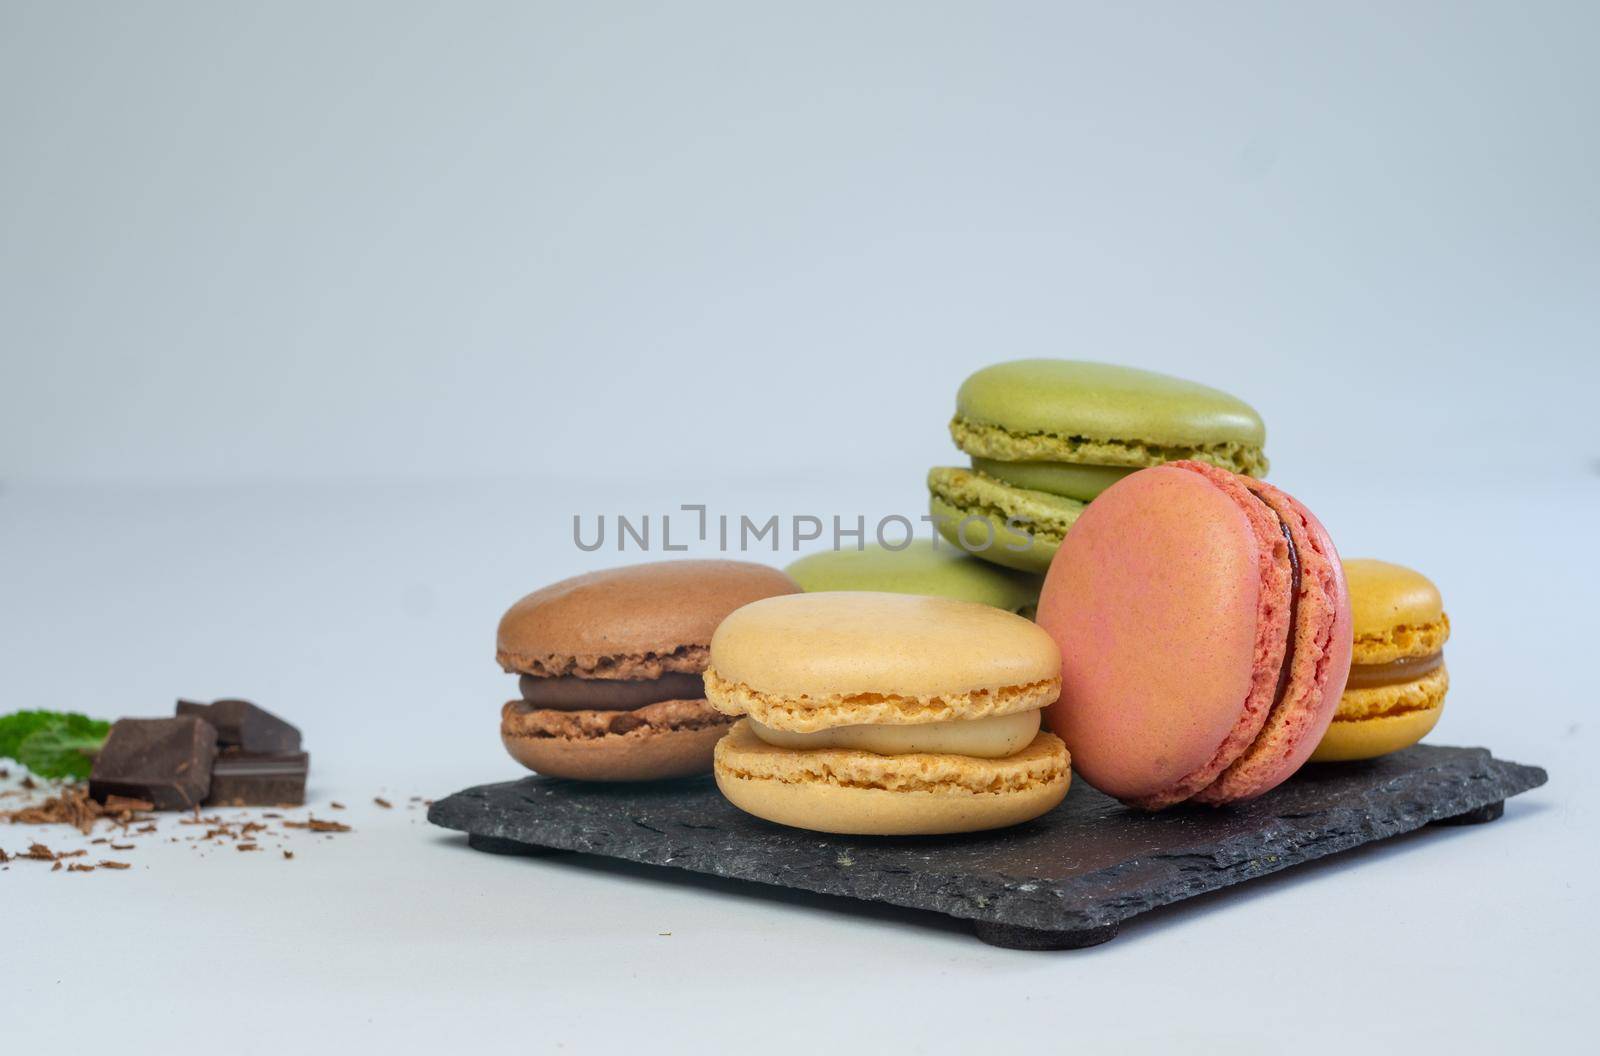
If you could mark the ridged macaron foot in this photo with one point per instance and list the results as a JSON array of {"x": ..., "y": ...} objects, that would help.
[
  {"x": 610, "y": 666},
  {"x": 1204, "y": 626},
  {"x": 1398, "y": 680},
  {"x": 923, "y": 566},
  {"x": 886, "y": 714}
]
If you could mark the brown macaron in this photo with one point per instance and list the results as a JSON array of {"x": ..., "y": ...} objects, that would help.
[{"x": 610, "y": 664}]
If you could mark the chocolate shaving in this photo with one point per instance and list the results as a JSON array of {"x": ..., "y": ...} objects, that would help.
[
  {"x": 317, "y": 825},
  {"x": 384, "y": 803},
  {"x": 79, "y": 867},
  {"x": 115, "y": 865},
  {"x": 72, "y": 806}
]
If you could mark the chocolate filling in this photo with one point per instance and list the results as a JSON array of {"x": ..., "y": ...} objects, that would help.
[
  {"x": 567, "y": 693},
  {"x": 1294, "y": 605},
  {"x": 1405, "y": 669}
]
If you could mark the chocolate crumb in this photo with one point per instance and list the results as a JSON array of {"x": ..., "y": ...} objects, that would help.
[
  {"x": 288, "y": 854},
  {"x": 115, "y": 865},
  {"x": 384, "y": 803},
  {"x": 4, "y": 857},
  {"x": 56, "y": 868},
  {"x": 29, "y": 783},
  {"x": 317, "y": 825}
]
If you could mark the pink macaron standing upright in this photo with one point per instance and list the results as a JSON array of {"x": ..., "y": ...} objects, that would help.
[{"x": 1205, "y": 636}]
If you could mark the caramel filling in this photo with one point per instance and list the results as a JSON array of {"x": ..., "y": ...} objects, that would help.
[{"x": 1405, "y": 669}]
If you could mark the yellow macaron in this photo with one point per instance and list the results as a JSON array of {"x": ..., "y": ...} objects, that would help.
[
  {"x": 886, "y": 714},
  {"x": 1395, "y": 692}
]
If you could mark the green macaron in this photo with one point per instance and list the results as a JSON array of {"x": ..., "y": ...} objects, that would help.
[
  {"x": 923, "y": 566},
  {"x": 1098, "y": 414},
  {"x": 1047, "y": 435},
  {"x": 1015, "y": 527}
]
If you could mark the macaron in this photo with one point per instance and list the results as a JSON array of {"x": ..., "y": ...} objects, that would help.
[
  {"x": 1046, "y": 436},
  {"x": 923, "y": 566},
  {"x": 1205, "y": 632},
  {"x": 610, "y": 666},
  {"x": 1395, "y": 693},
  {"x": 883, "y": 714}
]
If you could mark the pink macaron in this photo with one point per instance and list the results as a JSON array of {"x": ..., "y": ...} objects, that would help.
[{"x": 1204, "y": 628}]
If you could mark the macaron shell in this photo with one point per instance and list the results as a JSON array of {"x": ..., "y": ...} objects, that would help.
[
  {"x": 971, "y": 510},
  {"x": 1397, "y": 612},
  {"x": 924, "y": 566},
  {"x": 869, "y": 643},
  {"x": 861, "y": 793},
  {"x": 1370, "y": 738},
  {"x": 1103, "y": 414},
  {"x": 1383, "y": 719},
  {"x": 1319, "y": 666},
  {"x": 646, "y": 753},
  {"x": 638, "y": 621},
  {"x": 1156, "y": 603}
]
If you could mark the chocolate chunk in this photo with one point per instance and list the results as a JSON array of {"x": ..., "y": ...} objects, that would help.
[
  {"x": 567, "y": 693},
  {"x": 166, "y": 762},
  {"x": 245, "y": 779},
  {"x": 240, "y": 724}
]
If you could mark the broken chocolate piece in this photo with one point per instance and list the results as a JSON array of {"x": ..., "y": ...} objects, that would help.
[
  {"x": 241, "y": 724},
  {"x": 165, "y": 762},
  {"x": 247, "y": 779}
]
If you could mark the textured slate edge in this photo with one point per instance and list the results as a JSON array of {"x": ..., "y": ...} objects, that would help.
[
  {"x": 1096, "y": 900},
  {"x": 1407, "y": 803}
]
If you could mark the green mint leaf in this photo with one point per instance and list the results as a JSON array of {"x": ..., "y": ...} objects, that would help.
[
  {"x": 17, "y": 728},
  {"x": 60, "y": 751}
]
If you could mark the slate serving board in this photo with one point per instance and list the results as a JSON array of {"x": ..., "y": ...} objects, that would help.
[{"x": 1066, "y": 880}]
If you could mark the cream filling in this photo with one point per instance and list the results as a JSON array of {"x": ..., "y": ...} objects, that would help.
[{"x": 994, "y": 737}]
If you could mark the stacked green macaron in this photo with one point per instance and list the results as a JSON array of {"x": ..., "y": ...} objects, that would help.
[
  {"x": 922, "y": 566},
  {"x": 1047, "y": 435}
]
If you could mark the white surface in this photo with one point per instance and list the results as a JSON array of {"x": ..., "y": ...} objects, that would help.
[
  {"x": 319, "y": 323},
  {"x": 367, "y": 614}
]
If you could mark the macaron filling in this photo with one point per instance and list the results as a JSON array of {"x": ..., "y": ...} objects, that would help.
[
  {"x": 1394, "y": 673},
  {"x": 1072, "y": 480},
  {"x": 569, "y": 693},
  {"x": 994, "y": 737},
  {"x": 520, "y": 719}
]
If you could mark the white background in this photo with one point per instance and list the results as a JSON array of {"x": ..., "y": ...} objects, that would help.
[{"x": 318, "y": 324}]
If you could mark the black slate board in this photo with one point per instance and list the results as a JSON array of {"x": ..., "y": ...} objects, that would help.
[{"x": 1065, "y": 880}]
